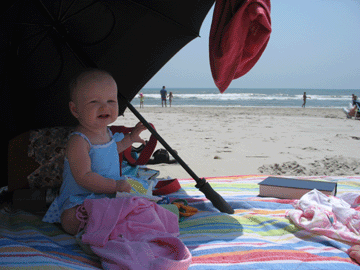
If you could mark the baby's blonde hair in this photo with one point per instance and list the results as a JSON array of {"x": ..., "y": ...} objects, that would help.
[{"x": 84, "y": 77}]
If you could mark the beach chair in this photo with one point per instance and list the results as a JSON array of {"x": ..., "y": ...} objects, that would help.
[{"x": 357, "y": 111}]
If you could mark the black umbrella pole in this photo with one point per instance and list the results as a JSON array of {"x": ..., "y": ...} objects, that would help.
[{"x": 201, "y": 184}]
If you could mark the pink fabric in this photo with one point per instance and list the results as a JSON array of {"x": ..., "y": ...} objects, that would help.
[
  {"x": 351, "y": 198},
  {"x": 82, "y": 216},
  {"x": 239, "y": 34},
  {"x": 134, "y": 233},
  {"x": 329, "y": 216}
]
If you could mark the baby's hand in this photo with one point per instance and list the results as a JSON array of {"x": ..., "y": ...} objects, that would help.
[
  {"x": 135, "y": 134},
  {"x": 123, "y": 186}
]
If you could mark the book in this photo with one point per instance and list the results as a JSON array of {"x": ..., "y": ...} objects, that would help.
[
  {"x": 139, "y": 190},
  {"x": 147, "y": 174},
  {"x": 288, "y": 188}
]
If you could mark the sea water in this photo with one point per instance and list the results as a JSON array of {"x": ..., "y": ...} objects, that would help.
[{"x": 211, "y": 97}]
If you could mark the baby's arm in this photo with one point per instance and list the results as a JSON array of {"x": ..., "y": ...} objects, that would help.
[
  {"x": 80, "y": 164},
  {"x": 131, "y": 138}
]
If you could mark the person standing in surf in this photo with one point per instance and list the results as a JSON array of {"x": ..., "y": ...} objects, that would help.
[
  {"x": 163, "y": 94},
  {"x": 170, "y": 98}
]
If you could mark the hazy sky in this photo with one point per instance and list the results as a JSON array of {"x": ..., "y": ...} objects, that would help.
[{"x": 313, "y": 44}]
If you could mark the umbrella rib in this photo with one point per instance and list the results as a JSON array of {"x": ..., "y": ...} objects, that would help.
[
  {"x": 60, "y": 9},
  {"x": 9, "y": 8},
  {"x": 46, "y": 31},
  {"x": 66, "y": 11},
  {"x": 38, "y": 43},
  {"x": 76, "y": 13},
  {"x": 32, "y": 24},
  {"x": 48, "y": 13},
  {"x": 166, "y": 17},
  {"x": 62, "y": 18}
]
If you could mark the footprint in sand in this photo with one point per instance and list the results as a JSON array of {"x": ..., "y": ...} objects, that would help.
[{"x": 310, "y": 149}]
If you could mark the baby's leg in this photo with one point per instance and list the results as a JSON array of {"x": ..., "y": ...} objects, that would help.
[{"x": 69, "y": 222}]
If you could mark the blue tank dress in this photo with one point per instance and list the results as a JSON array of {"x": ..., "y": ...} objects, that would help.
[{"x": 104, "y": 161}]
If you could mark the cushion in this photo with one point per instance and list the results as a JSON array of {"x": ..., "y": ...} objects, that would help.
[
  {"x": 35, "y": 164},
  {"x": 47, "y": 147}
]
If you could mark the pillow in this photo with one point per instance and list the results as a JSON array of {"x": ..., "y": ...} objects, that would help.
[
  {"x": 47, "y": 148},
  {"x": 35, "y": 164}
]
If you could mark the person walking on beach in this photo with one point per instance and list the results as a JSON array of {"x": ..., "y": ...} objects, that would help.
[
  {"x": 304, "y": 98},
  {"x": 170, "y": 98},
  {"x": 354, "y": 99},
  {"x": 141, "y": 96},
  {"x": 163, "y": 94}
]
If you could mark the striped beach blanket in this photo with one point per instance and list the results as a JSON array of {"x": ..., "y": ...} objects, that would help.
[{"x": 256, "y": 236}]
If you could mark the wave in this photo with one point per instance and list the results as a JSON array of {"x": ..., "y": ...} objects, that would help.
[{"x": 250, "y": 96}]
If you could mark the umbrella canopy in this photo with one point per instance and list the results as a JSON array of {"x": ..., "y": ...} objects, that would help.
[{"x": 44, "y": 43}]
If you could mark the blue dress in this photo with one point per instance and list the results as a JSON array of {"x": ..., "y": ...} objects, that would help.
[{"x": 104, "y": 161}]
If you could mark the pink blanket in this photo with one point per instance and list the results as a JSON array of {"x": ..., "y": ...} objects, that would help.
[
  {"x": 134, "y": 233},
  {"x": 329, "y": 216}
]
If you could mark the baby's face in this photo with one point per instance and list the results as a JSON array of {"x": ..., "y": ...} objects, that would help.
[{"x": 96, "y": 105}]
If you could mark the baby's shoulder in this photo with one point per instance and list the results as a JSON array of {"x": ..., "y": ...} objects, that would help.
[{"x": 77, "y": 142}]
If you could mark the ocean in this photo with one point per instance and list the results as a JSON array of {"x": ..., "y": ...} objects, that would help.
[{"x": 270, "y": 97}]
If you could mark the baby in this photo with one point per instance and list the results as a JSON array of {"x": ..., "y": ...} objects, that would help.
[{"x": 91, "y": 166}]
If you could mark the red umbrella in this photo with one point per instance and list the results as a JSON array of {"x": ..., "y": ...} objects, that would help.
[{"x": 239, "y": 34}]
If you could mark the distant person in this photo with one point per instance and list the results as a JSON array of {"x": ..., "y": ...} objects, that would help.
[
  {"x": 170, "y": 98},
  {"x": 141, "y": 100},
  {"x": 354, "y": 99},
  {"x": 163, "y": 94},
  {"x": 304, "y": 98}
]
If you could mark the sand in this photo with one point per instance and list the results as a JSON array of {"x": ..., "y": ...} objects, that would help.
[{"x": 221, "y": 141}]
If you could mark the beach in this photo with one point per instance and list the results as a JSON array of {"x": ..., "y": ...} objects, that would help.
[{"x": 225, "y": 141}]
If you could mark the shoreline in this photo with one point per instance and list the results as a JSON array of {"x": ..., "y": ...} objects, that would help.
[
  {"x": 238, "y": 106},
  {"x": 264, "y": 97},
  {"x": 252, "y": 140}
]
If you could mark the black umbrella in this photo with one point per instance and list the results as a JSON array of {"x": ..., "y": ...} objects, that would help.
[{"x": 43, "y": 43}]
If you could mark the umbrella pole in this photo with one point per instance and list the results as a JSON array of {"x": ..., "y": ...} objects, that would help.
[{"x": 201, "y": 183}]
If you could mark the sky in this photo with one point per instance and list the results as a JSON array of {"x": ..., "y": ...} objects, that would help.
[{"x": 314, "y": 44}]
